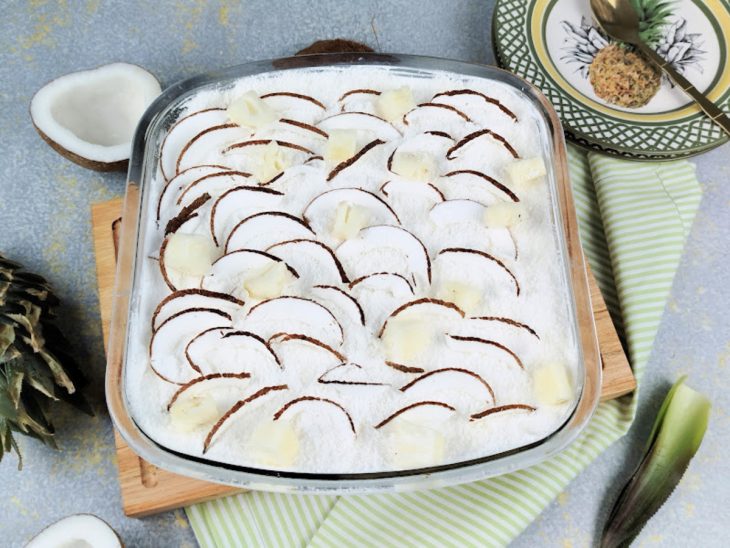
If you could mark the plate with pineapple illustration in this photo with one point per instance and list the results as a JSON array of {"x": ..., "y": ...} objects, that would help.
[{"x": 609, "y": 97}]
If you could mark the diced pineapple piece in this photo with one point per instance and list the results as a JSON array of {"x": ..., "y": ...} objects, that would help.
[
  {"x": 191, "y": 254},
  {"x": 406, "y": 338},
  {"x": 341, "y": 145},
  {"x": 462, "y": 295},
  {"x": 503, "y": 214},
  {"x": 394, "y": 103},
  {"x": 271, "y": 161},
  {"x": 193, "y": 411},
  {"x": 414, "y": 445},
  {"x": 416, "y": 166},
  {"x": 274, "y": 443},
  {"x": 269, "y": 282},
  {"x": 349, "y": 220},
  {"x": 250, "y": 111},
  {"x": 552, "y": 384},
  {"x": 522, "y": 171}
]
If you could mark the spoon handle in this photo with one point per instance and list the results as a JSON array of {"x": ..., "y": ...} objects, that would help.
[{"x": 710, "y": 108}]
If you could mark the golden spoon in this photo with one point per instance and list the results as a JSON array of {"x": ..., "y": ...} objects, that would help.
[{"x": 619, "y": 20}]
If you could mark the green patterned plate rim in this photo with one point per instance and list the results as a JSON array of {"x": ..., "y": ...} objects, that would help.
[{"x": 554, "y": 44}]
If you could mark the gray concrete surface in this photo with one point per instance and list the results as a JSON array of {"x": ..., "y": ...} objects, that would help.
[{"x": 44, "y": 223}]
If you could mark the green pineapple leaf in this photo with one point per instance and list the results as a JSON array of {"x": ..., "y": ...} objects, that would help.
[{"x": 653, "y": 17}]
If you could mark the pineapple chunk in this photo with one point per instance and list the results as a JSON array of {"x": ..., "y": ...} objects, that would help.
[
  {"x": 406, "y": 338},
  {"x": 503, "y": 214},
  {"x": 416, "y": 166},
  {"x": 250, "y": 111},
  {"x": 416, "y": 446},
  {"x": 462, "y": 295},
  {"x": 190, "y": 254},
  {"x": 271, "y": 161},
  {"x": 274, "y": 444},
  {"x": 341, "y": 145},
  {"x": 393, "y": 104},
  {"x": 269, "y": 282},
  {"x": 190, "y": 412},
  {"x": 528, "y": 170},
  {"x": 552, "y": 384},
  {"x": 349, "y": 220}
]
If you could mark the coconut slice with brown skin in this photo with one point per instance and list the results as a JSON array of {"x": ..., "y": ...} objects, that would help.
[
  {"x": 90, "y": 116},
  {"x": 77, "y": 530}
]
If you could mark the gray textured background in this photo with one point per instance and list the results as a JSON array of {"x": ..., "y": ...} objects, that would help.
[{"x": 45, "y": 223}]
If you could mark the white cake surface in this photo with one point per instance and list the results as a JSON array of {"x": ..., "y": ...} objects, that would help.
[{"x": 298, "y": 382}]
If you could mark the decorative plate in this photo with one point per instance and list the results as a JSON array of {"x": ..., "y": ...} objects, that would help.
[{"x": 555, "y": 43}]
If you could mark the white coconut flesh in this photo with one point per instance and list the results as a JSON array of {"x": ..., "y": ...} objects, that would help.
[
  {"x": 78, "y": 531},
  {"x": 93, "y": 113}
]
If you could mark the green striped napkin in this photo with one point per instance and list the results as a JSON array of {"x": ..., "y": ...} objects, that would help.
[{"x": 634, "y": 246}]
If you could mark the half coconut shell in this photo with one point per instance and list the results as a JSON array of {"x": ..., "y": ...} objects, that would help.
[{"x": 90, "y": 116}]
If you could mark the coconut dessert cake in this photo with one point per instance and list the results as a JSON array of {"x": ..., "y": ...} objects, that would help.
[{"x": 351, "y": 270}]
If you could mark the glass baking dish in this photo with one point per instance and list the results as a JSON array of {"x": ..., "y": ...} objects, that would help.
[{"x": 165, "y": 110}]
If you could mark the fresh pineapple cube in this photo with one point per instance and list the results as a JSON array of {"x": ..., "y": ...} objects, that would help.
[
  {"x": 190, "y": 254},
  {"x": 274, "y": 443},
  {"x": 552, "y": 384},
  {"x": 193, "y": 411},
  {"x": 416, "y": 166},
  {"x": 393, "y": 104},
  {"x": 341, "y": 145},
  {"x": 414, "y": 445},
  {"x": 271, "y": 161},
  {"x": 503, "y": 214},
  {"x": 250, "y": 111},
  {"x": 406, "y": 338},
  {"x": 269, "y": 282},
  {"x": 349, "y": 220},
  {"x": 464, "y": 296},
  {"x": 523, "y": 171}
]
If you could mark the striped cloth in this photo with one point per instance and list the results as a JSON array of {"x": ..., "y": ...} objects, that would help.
[{"x": 633, "y": 247}]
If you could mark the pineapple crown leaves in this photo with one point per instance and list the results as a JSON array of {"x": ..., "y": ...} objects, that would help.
[
  {"x": 653, "y": 17},
  {"x": 35, "y": 369}
]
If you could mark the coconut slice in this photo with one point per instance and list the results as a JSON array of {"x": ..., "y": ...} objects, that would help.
[
  {"x": 182, "y": 132},
  {"x": 262, "y": 230},
  {"x": 295, "y": 315},
  {"x": 238, "y": 203},
  {"x": 194, "y": 298},
  {"x": 168, "y": 343},
  {"x": 77, "y": 530},
  {"x": 321, "y": 213},
  {"x": 372, "y": 126},
  {"x": 312, "y": 259},
  {"x": 232, "y": 272},
  {"x": 90, "y": 116},
  {"x": 389, "y": 248}
]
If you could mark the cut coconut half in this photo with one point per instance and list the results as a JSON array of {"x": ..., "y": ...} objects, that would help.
[
  {"x": 79, "y": 530},
  {"x": 90, "y": 116}
]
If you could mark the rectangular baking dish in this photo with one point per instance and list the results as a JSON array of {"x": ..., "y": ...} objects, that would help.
[{"x": 165, "y": 110}]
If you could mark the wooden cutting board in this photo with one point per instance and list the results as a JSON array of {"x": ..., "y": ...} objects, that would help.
[{"x": 147, "y": 489}]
